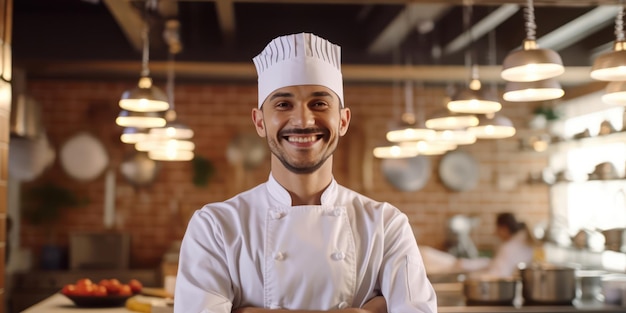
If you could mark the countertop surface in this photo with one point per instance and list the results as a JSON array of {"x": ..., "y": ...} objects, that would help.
[{"x": 58, "y": 303}]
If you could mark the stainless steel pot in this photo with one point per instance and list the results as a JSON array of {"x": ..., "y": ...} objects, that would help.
[
  {"x": 490, "y": 290},
  {"x": 548, "y": 283}
]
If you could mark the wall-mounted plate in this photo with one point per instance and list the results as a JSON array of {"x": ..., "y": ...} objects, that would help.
[
  {"x": 83, "y": 157},
  {"x": 458, "y": 170},
  {"x": 407, "y": 174}
]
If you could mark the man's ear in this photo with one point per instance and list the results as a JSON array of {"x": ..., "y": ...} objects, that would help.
[
  {"x": 257, "y": 119},
  {"x": 345, "y": 121}
]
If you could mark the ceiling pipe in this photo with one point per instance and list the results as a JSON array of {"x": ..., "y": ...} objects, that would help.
[
  {"x": 579, "y": 28},
  {"x": 479, "y": 29}
]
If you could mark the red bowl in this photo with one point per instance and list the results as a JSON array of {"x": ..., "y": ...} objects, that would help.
[{"x": 99, "y": 301}]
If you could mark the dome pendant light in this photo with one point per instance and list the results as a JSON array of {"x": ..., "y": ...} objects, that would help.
[
  {"x": 541, "y": 90},
  {"x": 611, "y": 66},
  {"x": 411, "y": 128},
  {"x": 145, "y": 97},
  {"x": 473, "y": 99},
  {"x": 531, "y": 63},
  {"x": 172, "y": 141},
  {"x": 493, "y": 126}
]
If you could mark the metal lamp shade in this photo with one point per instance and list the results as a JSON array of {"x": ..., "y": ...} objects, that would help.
[
  {"x": 495, "y": 127},
  {"x": 445, "y": 119},
  {"x": 173, "y": 129},
  {"x": 144, "y": 98},
  {"x": 133, "y": 135},
  {"x": 140, "y": 119},
  {"x": 531, "y": 64},
  {"x": 542, "y": 90},
  {"x": 611, "y": 66},
  {"x": 474, "y": 102},
  {"x": 615, "y": 93}
]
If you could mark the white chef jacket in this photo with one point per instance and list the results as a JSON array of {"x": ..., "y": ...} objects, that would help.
[
  {"x": 255, "y": 249},
  {"x": 507, "y": 258}
]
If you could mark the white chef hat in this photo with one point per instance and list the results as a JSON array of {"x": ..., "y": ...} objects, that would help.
[{"x": 299, "y": 59}]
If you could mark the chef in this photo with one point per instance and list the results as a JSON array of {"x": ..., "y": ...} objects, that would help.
[{"x": 300, "y": 241}]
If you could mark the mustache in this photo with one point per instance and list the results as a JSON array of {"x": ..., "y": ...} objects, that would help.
[{"x": 301, "y": 131}]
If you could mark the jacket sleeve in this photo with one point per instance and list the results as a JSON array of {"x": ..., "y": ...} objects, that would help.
[
  {"x": 203, "y": 283},
  {"x": 404, "y": 283}
]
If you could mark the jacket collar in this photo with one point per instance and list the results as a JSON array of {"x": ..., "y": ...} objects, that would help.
[{"x": 281, "y": 195}]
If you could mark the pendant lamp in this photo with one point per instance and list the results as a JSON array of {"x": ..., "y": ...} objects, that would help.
[
  {"x": 429, "y": 147},
  {"x": 541, "y": 90},
  {"x": 611, "y": 66},
  {"x": 170, "y": 142},
  {"x": 410, "y": 128},
  {"x": 140, "y": 119},
  {"x": 531, "y": 63},
  {"x": 473, "y": 99},
  {"x": 444, "y": 119},
  {"x": 615, "y": 93},
  {"x": 493, "y": 126},
  {"x": 457, "y": 137},
  {"x": 394, "y": 152},
  {"x": 133, "y": 135},
  {"x": 145, "y": 97}
]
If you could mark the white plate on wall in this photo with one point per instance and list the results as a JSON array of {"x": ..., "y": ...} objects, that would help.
[
  {"x": 458, "y": 171},
  {"x": 83, "y": 157},
  {"x": 407, "y": 174}
]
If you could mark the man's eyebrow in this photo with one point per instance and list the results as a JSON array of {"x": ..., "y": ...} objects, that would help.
[
  {"x": 321, "y": 94},
  {"x": 281, "y": 95}
]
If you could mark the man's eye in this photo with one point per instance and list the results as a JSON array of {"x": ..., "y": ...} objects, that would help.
[
  {"x": 282, "y": 104},
  {"x": 319, "y": 104}
]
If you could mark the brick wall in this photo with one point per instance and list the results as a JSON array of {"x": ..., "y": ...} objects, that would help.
[{"x": 156, "y": 214}]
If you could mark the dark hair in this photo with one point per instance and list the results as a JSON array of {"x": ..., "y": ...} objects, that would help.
[{"x": 509, "y": 221}]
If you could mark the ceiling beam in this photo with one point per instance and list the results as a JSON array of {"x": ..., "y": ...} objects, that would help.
[
  {"x": 399, "y": 28},
  {"x": 129, "y": 20},
  {"x": 246, "y": 71}
]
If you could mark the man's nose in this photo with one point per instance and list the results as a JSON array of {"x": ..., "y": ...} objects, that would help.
[{"x": 303, "y": 117}]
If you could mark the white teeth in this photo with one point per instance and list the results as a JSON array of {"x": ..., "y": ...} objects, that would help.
[{"x": 302, "y": 139}]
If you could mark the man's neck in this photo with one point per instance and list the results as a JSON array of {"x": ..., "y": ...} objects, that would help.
[{"x": 305, "y": 189}]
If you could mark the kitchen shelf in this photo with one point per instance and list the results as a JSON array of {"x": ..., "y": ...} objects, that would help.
[{"x": 589, "y": 142}]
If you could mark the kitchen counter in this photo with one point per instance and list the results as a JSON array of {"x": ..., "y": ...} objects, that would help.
[{"x": 58, "y": 303}]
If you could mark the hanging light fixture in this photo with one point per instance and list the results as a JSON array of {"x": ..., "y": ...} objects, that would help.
[
  {"x": 611, "y": 66},
  {"x": 493, "y": 126},
  {"x": 140, "y": 119},
  {"x": 411, "y": 128},
  {"x": 429, "y": 147},
  {"x": 170, "y": 142},
  {"x": 473, "y": 99},
  {"x": 444, "y": 119},
  {"x": 145, "y": 97},
  {"x": 615, "y": 93},
  {"x": 133, "y": 135},
  {"x": 541, "y": 90},
  {"x": 531, "y": 63},
  {"x": 394, "y": 152},
  {"x": 455, "y": 136}
]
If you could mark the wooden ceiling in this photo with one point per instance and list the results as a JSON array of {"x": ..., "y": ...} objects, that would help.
[{"x": 91, "y": 38}]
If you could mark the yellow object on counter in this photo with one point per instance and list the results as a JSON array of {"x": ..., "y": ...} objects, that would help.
[{"x": 145, "y": 304}]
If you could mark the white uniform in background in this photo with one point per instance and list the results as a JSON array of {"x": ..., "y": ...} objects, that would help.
[
  {"x": 506, "y": 259},
  {"x": 257, "y": 250}
]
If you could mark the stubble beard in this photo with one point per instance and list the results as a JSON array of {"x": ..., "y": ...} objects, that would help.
[{"x": 302, "y": 167}]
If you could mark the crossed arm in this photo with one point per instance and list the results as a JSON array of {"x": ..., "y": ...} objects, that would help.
[{"x": 375, "y": 305}]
